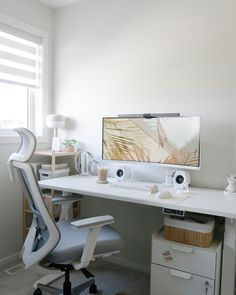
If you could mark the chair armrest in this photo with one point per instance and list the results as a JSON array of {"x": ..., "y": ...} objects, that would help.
[
  {"x": 94, "y": 225},
  {"x": 97, "y": 221}
]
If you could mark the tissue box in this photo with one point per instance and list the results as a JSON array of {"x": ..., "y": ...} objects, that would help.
[{"x": 196, "y": 229}]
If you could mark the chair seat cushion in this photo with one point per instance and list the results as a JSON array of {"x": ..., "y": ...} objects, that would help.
[{"x": 71, "y": 244}]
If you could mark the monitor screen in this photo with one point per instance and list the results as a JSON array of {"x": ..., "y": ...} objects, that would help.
[{"x": 170, "y": 141}]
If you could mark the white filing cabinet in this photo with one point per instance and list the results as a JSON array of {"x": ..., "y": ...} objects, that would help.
[{"x": 181, "y": 269}]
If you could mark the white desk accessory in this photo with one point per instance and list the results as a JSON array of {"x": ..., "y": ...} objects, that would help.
[
  {"x": 55, "y": 121},
  {"x": 164, "y": 195},
  {"x": 82, "y": 163},
  {"x": 153, "y": 189},
  {"x": 184, "y": 190},
  {"x": 231, "y": 188},
  {"x": 168, "y": 178}
]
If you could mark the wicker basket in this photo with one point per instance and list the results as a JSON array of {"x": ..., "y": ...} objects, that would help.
[{"x": 197, "y": 230}]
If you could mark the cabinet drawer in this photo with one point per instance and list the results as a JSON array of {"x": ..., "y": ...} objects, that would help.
[
  {"x": 183, "y": 257},
  {"x": 167, "y": 281}
]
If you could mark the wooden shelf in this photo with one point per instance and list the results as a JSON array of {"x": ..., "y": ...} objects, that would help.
[
  {"x": 54, "y": 209},
  {"x": 51, "y": 153}
]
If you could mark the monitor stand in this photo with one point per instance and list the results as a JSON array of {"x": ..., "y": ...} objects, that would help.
[{"x": 168, "y": 178}]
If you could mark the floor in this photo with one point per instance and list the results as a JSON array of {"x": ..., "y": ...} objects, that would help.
[{"x": 111, "y": 279}]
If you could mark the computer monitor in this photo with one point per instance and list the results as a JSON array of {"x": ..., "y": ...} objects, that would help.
[{"x": 167, "y": 141}]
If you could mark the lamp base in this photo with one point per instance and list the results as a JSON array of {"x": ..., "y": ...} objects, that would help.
[{"x": 56, "y": 144}]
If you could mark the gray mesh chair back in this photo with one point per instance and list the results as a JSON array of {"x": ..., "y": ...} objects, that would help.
[{"x": 43, "y": 235}]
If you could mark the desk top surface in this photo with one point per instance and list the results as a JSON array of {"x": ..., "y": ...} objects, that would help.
[{"x": 207, "y": 201}]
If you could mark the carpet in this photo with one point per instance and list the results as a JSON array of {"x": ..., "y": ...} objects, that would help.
[{"x": 111, "y": 279}]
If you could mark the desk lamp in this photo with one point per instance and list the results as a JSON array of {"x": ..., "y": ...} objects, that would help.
[{"x": 55, "y": 121}]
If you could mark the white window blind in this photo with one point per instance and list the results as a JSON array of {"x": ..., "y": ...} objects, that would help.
[{"x": 20, "y": 57}]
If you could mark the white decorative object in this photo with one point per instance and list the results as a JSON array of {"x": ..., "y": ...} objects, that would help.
[
  {"x": 231, "y": 188},
  {"x": 55, "y": 121},
  {"x": 82, "y": 163}
]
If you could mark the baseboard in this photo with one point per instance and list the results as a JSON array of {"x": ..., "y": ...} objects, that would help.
[
  {"x": 129, "y": 264},
  {"x": 9, "y": 259},
  {"x": 113, "y": 259}
]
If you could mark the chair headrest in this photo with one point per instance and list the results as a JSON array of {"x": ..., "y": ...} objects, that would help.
[{"x": 26, "y": 149}]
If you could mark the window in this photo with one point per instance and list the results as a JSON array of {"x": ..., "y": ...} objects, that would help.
[{"x": 21, "y": 79}]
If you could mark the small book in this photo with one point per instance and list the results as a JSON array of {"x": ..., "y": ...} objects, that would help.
[
  {"x": 57, "y": 171},
  {"x": 57, "y": 166}
]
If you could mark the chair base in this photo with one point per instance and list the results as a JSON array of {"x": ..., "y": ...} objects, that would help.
[
  {"x": 89, "y": 283},
  {"x": 67, "y": 289},
  {"x": 48, "y": 279}
]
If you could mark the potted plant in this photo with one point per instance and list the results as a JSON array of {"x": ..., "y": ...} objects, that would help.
[{"x": 69, "y": 144}]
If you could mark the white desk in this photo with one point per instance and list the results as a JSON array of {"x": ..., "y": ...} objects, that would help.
[{"x": 213, "y": 202}]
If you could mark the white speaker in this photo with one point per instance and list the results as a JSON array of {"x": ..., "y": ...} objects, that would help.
[
  {"x": 122, "y": 173},
  {"x": 181, "y": 179}
]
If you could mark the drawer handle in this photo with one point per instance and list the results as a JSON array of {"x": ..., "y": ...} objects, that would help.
[
  {"x": 180, "y": 274},
  {"x": 183, "y": 249}
]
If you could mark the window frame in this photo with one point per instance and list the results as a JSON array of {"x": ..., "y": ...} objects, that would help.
[{"x": 44, "y": 138}]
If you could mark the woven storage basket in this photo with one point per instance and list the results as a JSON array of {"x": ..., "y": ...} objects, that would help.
[{"x": 196, "y": 230}]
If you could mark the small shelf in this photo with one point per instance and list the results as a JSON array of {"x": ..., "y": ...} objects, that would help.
[
  {"x": 54, "y": 209},
  {"x": 28, "y": 211},
  {"x": 51, "y": 153}
]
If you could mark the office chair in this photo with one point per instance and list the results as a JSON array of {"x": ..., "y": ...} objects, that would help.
[{"x": 64, "y": 245}]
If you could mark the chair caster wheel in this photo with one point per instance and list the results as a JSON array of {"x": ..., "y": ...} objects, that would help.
[
  {"x": 37, "y": 292},
  {"x": 93, "y": 289}
]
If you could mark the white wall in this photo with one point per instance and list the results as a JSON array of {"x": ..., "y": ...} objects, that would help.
[
  {"x": 150, "y": 56},
  {"x": 142, "y": 56},
  {"x": 11, "y": 203}
]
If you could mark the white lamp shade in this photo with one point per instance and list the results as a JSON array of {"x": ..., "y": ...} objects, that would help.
[{"x": 55, "y": 121}]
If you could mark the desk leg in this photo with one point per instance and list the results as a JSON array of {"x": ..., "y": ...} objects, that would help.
[{"x": 229, "y": 254}]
